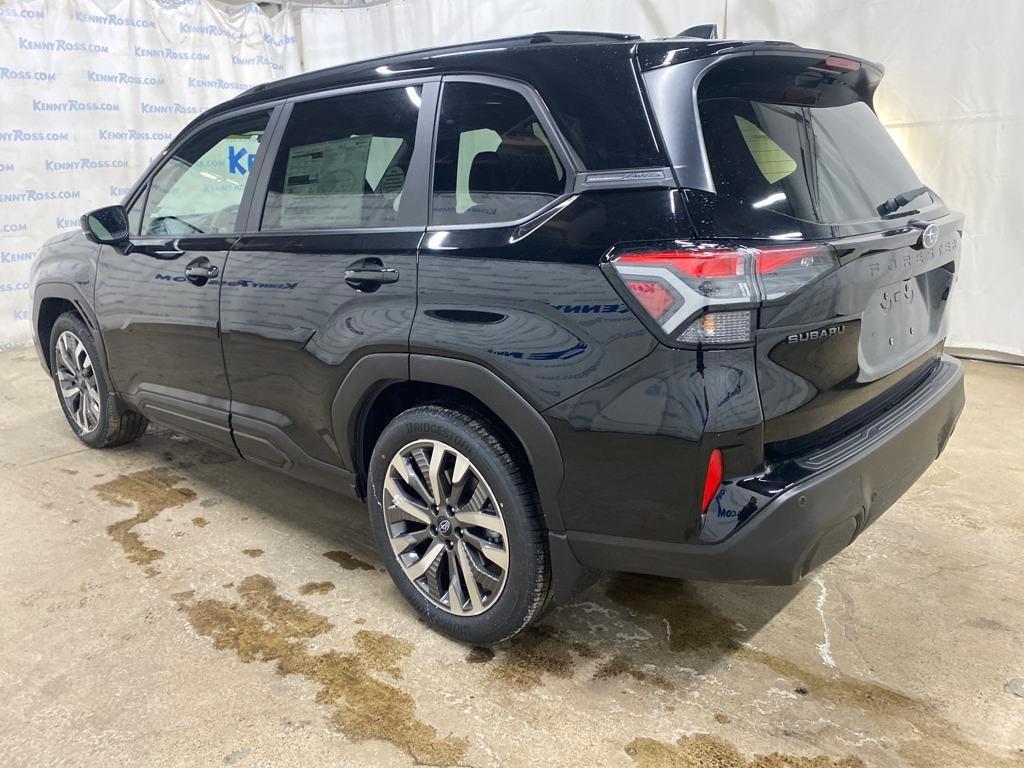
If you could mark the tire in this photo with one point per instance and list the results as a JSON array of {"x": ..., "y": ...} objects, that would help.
[
  {"x": 494, "y": 509},
  {"x": 102, "y": 420}
]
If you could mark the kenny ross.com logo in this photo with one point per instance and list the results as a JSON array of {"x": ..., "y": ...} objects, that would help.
[
  {"x": 22, "y": 13},
  {"x": 63, "y": 223},
  {"x": 280, "y": 41},
  {"x": 6, "y": 167},
  {"x": 74, "y": 105},
  {"x": 113, "y": 20},
  {"x": 60, "y": 46},
  {"x": 170, "y": 109},
  {"x": 6, "y": 73},
  {"x": 254, "y": 61},
  {"x": 19, "y": 135},
  {"x": 210, "y": 30},
  {"x": 19, "y": 227},
  {"x": 122, "y": 78},
  {"x": 36, "y": 196},
  {"x": 131, "y": 134},
  {"x": 196, "y": 82},
  {"x": 83, "y": 164},
  {"x": 240, "y": 160},
  {"x": 15, "y": 257},
  {"x": 170, "y": 53}
]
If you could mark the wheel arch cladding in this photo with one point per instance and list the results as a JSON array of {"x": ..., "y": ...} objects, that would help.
[
  {"x": 380, "y": 386},
  {"x": 53, "y": 300}
]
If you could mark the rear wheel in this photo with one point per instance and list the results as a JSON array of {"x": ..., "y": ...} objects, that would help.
[
  {"x": 93, "y": 411},
  {"x": 458, "y": 524}
]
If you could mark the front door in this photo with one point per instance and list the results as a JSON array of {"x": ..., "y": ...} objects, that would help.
[
  {"x": 158, "y": 299},
  {"x": 326, "y": 272}
]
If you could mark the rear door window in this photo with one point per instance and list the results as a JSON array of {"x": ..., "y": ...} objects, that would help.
[
  {"x": 343, "y": 162},
  {"x": 494, "y": 162}
]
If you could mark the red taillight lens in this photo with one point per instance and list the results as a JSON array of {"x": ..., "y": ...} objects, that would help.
[
  {"x": 712, "y": 480},
  {"x": 653, "y": 297},
  {"x": 705, "y": 293}
]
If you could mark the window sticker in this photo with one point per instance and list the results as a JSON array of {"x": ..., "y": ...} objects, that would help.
[{"x": 325, "y": 181}]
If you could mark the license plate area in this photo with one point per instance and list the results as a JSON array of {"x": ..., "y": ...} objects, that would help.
[{"x": 902, "y": 320}]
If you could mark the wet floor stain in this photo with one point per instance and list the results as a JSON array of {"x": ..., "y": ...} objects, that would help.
[
  {"x": 253, "y": 552},
  {"x": 692, "y": 626},
  {"x": 479, "y": 655},
  {"x": 151, "y": 491},
  {"x": 316, "y": 588},
  {"x": 703, "y": 751},
  {"x": 200, "y": 522},
  {"x": 621, "y": 665},
  {"x": 528, "y": 657},
  {"x": 347, "y": 561},
  {"x": 264, "y": 626}
]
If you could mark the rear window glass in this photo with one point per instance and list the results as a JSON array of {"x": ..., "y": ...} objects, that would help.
[
  {"x": 825, "y": 164},
  {"x": 793, "y": 136}
]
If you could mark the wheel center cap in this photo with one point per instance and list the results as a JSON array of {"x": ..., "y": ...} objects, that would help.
[{"x": 444, "y": 526}]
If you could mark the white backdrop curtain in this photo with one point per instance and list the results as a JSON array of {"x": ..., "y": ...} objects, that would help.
[{"x": 91, "y": 91}]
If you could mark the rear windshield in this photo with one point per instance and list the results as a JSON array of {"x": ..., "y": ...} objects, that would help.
[{"x": 790, "y": 136}]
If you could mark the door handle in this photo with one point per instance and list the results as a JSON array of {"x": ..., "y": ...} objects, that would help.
[
  {"x": 368, "y": 275},
  {"x": 198, "y": 271}
]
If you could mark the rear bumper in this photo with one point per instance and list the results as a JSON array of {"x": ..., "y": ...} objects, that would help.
[{"x": 845, "y": 487}]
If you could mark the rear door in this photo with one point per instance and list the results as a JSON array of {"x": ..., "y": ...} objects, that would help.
[
  {"x": 157, "y": 300},
  {"x": 794, "y": 154},
  {"x": 326, "y": 271}
]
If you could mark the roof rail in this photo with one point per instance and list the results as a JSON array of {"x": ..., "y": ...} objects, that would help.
[
  {"x": 579, "y": 36},
  {"x": 702, "y": 31}
]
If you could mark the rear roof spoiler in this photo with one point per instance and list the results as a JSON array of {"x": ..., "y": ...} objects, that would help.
[{"x": 702, "y": 31}]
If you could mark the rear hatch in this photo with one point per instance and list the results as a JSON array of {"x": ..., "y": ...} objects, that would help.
[{"x": 794, "y": 156}]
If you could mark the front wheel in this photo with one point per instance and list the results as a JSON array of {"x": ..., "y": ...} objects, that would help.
[
  {"x": 93, "y": 411},
  {"x": 458, "y": 524}
]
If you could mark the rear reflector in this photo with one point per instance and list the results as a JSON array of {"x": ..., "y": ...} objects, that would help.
[
  {"x": 713, "y": 479},
  {"x": 703, "y": 293}
]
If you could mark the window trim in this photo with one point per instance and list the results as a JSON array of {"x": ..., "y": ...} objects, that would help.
[
  {"x": 413, "y": 211},
  {"x": 142, "y": 186},
  {"x": 571, "y": 163}
]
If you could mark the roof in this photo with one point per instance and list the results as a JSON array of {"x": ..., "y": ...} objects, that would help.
[
  {"x": 462, "y": 56},
  {"x": 578, "y": 75}
]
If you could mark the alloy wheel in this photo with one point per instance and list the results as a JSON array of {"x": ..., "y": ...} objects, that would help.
[
  {"x": 445, "y": 527},
  {"x": 76, "y": 378}
]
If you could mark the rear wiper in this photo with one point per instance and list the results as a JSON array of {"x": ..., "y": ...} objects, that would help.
[{"x": 893, "y": 204}]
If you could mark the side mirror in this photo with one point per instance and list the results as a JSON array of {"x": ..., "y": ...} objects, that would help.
[{"x": 107, "y": 226}]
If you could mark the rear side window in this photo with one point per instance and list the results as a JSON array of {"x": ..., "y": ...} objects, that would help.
[
  {"x": 343, "y": 162},
  {"x": 494, "y": 162}
]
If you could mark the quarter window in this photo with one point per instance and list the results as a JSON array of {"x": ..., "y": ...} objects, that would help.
[
  {"x": 343, "y": 161},
  {"x": 494, "y": 162},
  {"x": 199, "y": 189}
]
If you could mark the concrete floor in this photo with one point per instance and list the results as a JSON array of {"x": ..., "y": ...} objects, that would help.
[{"x": 164, "y": 604}]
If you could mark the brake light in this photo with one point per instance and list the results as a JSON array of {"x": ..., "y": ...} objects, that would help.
[
  {"x": 702, "y": 293},
  {"x": 839, "y": 63},
  {"x": 712, "y": 480}
]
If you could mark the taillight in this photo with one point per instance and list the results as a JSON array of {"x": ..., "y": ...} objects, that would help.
[
  {"x": 700, "y": 293},
  {"x": 712, "y": 480}
]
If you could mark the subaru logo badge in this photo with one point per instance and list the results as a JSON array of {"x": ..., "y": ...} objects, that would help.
[{"x": 930, "y": 236}]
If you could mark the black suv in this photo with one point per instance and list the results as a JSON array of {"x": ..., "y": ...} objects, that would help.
[{"x": 550, "y": 304}]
